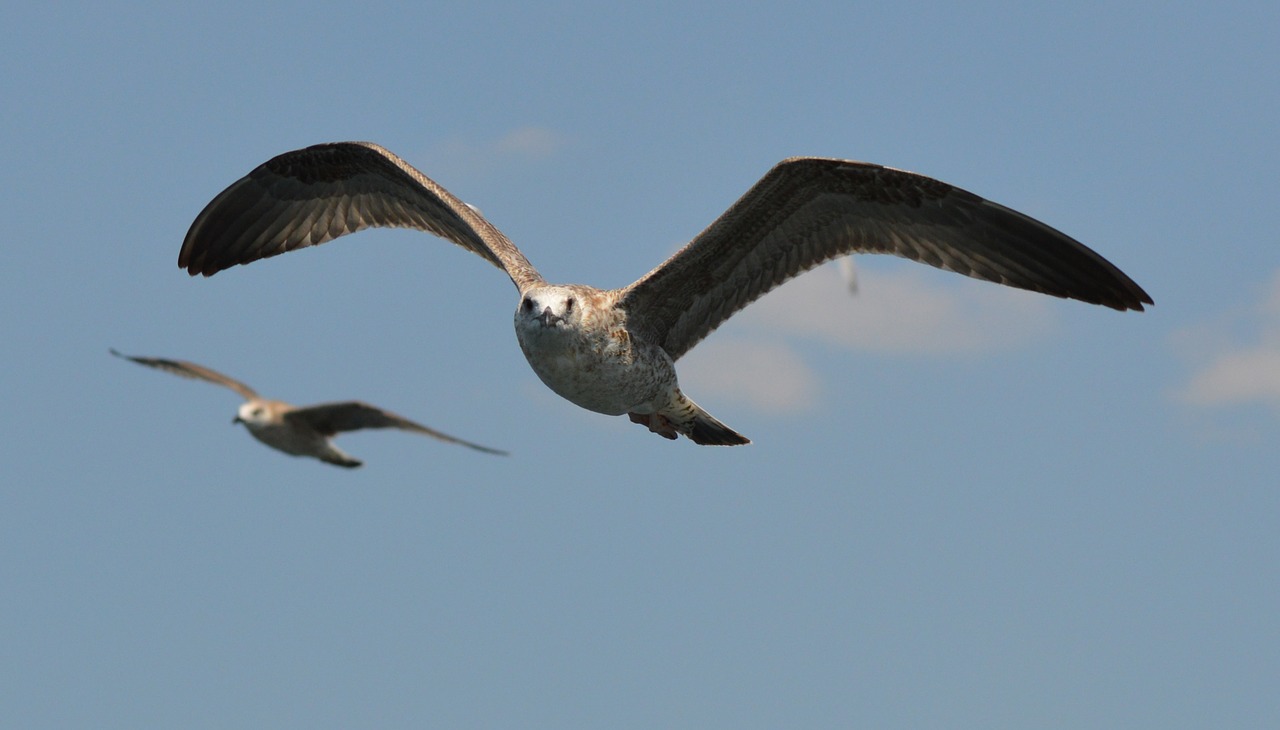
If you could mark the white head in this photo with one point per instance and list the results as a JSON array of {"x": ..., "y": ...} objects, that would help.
[
  {"x": 549, "y": 308},
  {"x": 254, "y": 414}
]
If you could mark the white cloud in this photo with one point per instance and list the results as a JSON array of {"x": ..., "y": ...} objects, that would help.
[
  {"x": 528, "y": 142},
  {"x": 899, "y": 311},
  {"x": 768, "y": 376},
  {"x": 910, "y": 310},
  {"x": 1231, "y": 373},
  {"x": 1237, "y": 377},
  {"x": 464, "y": 156}
]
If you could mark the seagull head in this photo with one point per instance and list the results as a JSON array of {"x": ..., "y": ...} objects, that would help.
[
  {"x": 253, "y": 414},
  {"x": 549, "y": 307}
]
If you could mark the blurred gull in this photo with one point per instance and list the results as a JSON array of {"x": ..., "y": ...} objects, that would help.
[{"x": 301, "y": 431}]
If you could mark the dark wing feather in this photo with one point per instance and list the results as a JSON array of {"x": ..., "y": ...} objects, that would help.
[
  {"x": 309, "y": 196},
  {"x": 808, "y": 210},
  {"x": 193, "y": 371},
  {"x": 332, "y": 418}
]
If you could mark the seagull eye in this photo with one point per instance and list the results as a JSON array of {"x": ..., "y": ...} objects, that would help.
[
  {"x": 568, "y": 305},
  {"x": 527, "y": 304}
]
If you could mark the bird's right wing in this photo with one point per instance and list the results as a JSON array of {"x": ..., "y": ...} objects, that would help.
[
  {"x": 191, "y": 370},
  {"x": 309, "y": 196}
]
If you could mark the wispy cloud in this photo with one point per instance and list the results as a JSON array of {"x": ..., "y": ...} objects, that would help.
[
  {"x": 1230, "y": 373},
  {"x": 533, "y": 143},
  {"x": 769, "y": 376},
  {"x": 908, "y": 310},
  {"x": 899, "y": 311},
  {"x": 467, "y": 156}
]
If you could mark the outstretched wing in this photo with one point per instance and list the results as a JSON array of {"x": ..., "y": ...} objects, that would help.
[
  {"x": 808, "y": 210},
  {"x": 333, "y": 418},
  {"x": 193, "y": 371},
  {"x": 309, "y": 196}
]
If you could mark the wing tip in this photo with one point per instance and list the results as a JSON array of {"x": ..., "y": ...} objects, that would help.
[{"x": 1133, "y": 298}]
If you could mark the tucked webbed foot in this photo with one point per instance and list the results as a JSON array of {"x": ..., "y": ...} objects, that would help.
[{"x": 655, "y": 422}]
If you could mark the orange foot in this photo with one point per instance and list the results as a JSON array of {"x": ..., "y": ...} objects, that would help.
[{"x": 656, "y": 422}]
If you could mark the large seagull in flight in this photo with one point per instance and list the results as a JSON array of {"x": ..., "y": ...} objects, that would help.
[{"x": 614, "y": 351}]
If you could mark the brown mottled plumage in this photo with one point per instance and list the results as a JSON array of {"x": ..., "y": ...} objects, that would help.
[
  {"x": 300, "y": 431},
  {"x": 613, "y": 351}
]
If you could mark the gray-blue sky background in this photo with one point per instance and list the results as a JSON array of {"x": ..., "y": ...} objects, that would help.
[{"x": 964, "y": 506}]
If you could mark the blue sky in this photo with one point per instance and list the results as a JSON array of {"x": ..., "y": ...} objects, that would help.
[{"x": 964, "y": 506}]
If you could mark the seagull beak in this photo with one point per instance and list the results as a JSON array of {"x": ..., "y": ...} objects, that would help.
[
  {"x": 548, "y": 318},
  {"x": 236, "y": 420}
]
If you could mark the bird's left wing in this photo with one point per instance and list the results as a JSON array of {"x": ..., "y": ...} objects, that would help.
[
  {"x": 807, "y": 210},
  {"x": 333, "y": 418}
]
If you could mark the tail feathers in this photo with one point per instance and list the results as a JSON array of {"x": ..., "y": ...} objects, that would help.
[
  {"x": 338, "y": 457},
  {"x": 707, "y": 431},
  {"x": 703, "y": 428},
  {"x": 683, "y": 416}
]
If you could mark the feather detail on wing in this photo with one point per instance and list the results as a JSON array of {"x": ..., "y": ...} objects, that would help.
[
  {"x": 808, "y": 210},
  {"x": 313, "y": 195}
]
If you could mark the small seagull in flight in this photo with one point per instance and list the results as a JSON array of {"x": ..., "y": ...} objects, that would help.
[
  {"x": 301, "y": 431},
  {"x": 614, "y": 351},
  {"x": 849, "y": 273}
]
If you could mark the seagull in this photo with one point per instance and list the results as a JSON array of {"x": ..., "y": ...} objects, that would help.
[
  {"x": 301, "y": 431},
  {"x": 613, "y": 351},
  {"x": 849, "y": 273}
]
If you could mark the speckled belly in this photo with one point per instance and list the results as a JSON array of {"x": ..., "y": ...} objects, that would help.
[{"x": 611, "y": 377}]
